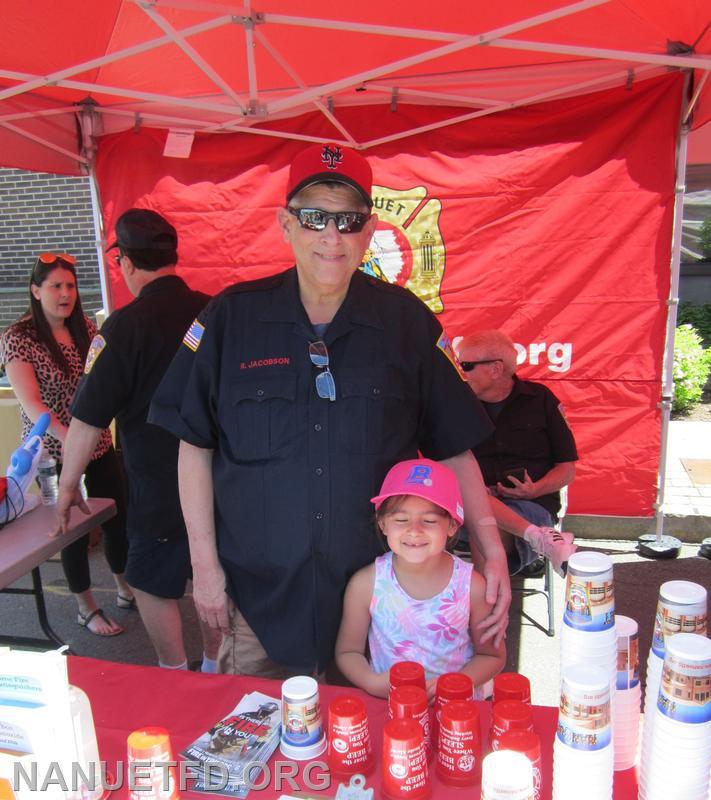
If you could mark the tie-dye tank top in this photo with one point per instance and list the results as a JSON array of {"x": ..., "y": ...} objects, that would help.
[{"x": 433, "y": 632}]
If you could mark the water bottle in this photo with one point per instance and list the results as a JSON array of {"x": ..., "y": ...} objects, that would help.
[{"x": 49, "y": 485}]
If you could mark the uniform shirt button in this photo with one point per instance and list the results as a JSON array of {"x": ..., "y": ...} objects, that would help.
[
  {"x": 376, "y": 390},
  {"x": 260, "y": 392},
  {"x": 319, "y": 515},
  {"x": 317, "y": 427},
  {"x": 318, "y": 471}
]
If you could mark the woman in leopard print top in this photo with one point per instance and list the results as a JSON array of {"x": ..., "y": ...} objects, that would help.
[{"x": 43, "y": 354}]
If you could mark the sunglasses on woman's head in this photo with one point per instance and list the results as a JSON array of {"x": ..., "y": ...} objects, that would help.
[
  {"x": 50, "y": 258},
  {"x": 314, "y": 219}
]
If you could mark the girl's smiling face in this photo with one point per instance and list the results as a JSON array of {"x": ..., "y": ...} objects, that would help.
[{"x": 416, "y": 529}]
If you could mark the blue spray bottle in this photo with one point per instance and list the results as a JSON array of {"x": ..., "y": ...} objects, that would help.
[{"x": 23, "y": 468}]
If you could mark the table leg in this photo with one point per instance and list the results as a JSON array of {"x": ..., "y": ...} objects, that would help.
[{"x": 53, "y": 639}]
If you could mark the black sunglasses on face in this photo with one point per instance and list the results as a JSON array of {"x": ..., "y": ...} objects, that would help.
[
  {"x": 314, "y": 219},
  {"x": 325, "y": 385},
  {"x": 468, "y": 366}
]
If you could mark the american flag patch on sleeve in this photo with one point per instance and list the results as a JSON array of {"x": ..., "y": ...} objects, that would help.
[
  {"x": 193, "y": 336},
  {"x": 444, "y": 343}
]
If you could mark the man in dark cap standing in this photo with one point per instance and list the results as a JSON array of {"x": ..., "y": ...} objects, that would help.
[
  {"x": 126, "y": 362},
  {"x": 292, "y": 399}
]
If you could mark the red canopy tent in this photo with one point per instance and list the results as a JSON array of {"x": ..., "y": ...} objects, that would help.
[{"x": 528, "y": 156}]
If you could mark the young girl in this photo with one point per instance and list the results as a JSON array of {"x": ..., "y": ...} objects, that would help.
[{"x": 418, "y": 602}]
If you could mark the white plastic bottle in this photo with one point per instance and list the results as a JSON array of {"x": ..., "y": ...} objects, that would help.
[
  {"x": 87, "y": 750},
  {"x": 47, "y": 475}
]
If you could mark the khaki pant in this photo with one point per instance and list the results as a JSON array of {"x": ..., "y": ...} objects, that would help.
[{"x": 241, "y": 653}]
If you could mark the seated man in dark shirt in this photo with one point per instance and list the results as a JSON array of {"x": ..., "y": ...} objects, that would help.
[{"x": 530, "y": 456}]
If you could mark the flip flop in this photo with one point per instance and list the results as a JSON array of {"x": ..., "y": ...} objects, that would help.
[
  {"x": 128, "y": 603},
  {"x": 85, "y": 619}
]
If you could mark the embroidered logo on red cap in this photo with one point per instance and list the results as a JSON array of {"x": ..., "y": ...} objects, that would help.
[{"x": 331, "y": 156}]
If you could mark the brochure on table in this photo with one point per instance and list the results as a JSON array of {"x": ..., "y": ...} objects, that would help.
[{"x": 36, "y": 728}]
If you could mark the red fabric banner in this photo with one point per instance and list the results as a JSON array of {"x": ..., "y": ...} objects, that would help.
[{"x": 551, "y": 222}]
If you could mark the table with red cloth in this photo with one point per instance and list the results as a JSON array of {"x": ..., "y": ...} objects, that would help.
[{"x": 125, "y": 698}]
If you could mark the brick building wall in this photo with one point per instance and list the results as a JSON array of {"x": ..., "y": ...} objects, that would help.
[{"x": 40, "y": 212}]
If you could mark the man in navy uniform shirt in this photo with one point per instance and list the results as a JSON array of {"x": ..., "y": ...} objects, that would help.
[
  {"x": 126, "y": 362},
  {"x": 531, "y": 438},
  {"x": 292, "y": 396}
]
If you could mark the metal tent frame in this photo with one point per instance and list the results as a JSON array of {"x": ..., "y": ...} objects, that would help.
[{"x": 472, "y": 73}]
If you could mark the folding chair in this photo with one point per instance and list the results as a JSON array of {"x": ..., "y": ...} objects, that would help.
[{"x": 547, "y": 590}]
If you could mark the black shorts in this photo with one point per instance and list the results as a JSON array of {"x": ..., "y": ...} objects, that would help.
[{"x": 160, "y": 567}]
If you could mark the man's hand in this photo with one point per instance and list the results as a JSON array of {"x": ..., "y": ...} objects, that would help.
[
  {"x": 211, "y": 601},
  {"x": 522, "y": 490},
  {"x": 67, "y": 498},
  {"x": 80, "y": 443},
  {"x": 498, "y": 593}
]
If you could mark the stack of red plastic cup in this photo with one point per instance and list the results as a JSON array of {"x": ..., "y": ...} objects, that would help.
[
  {"x": 450, "y": 686},
  {"x": 529, "y": 744},
  {"x": 410, "y": 702},
  {"x": 349, "y": 746},
  {"x": 459, "y": 752},
  {"x": 407, "y": 673},
  {"x": 509, "y": 715},
  {"x": 405, "y": 775},
  {"x": 512, "y": 686}
]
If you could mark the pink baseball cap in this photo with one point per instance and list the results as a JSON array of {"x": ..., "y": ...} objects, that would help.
[
  {"x": 424, "y": 478},
  {"x": 321, "y": 163}
]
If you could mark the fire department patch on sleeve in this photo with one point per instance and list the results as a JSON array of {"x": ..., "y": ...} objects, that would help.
[
  {"x": 561, "y": 410},
  {"x": 98, "y": 343},
  {"x": 193, "y": 336},
  {"x": 444, "y": 343}
]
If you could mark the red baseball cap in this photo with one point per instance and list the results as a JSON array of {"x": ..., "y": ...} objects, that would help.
[
  {"x": 427, "y": 479},
  {"x": 330, "y": 162}
]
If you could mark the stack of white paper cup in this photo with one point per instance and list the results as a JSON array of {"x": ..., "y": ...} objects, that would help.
[
  {"x": 681, "y": 608},
  {"x": 302, "y": 734},
  {"x": 588, "y": 633},
  {"x": 680, "y": 757},
  {"x": 628, "y": 694},
  {"x": 583, "y": 754},
  {"x": 506, "y": 775}
]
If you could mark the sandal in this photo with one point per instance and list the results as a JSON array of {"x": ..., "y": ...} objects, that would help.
[
  {"x": 85, "y": 619},
  {"x": 129, "y": 603}
]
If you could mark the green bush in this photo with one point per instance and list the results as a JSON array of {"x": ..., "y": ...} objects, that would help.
[
  {"x": 692, "y": 365},
  {"x": 705, "y": 239},
  {"x": 697, "y": 316}
]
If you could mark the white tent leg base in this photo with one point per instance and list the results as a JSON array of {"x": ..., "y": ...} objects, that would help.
[{"x": 652, "y": 546}]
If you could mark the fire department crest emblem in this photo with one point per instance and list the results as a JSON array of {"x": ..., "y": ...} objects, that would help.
[{"x": 407, "y": 246}]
